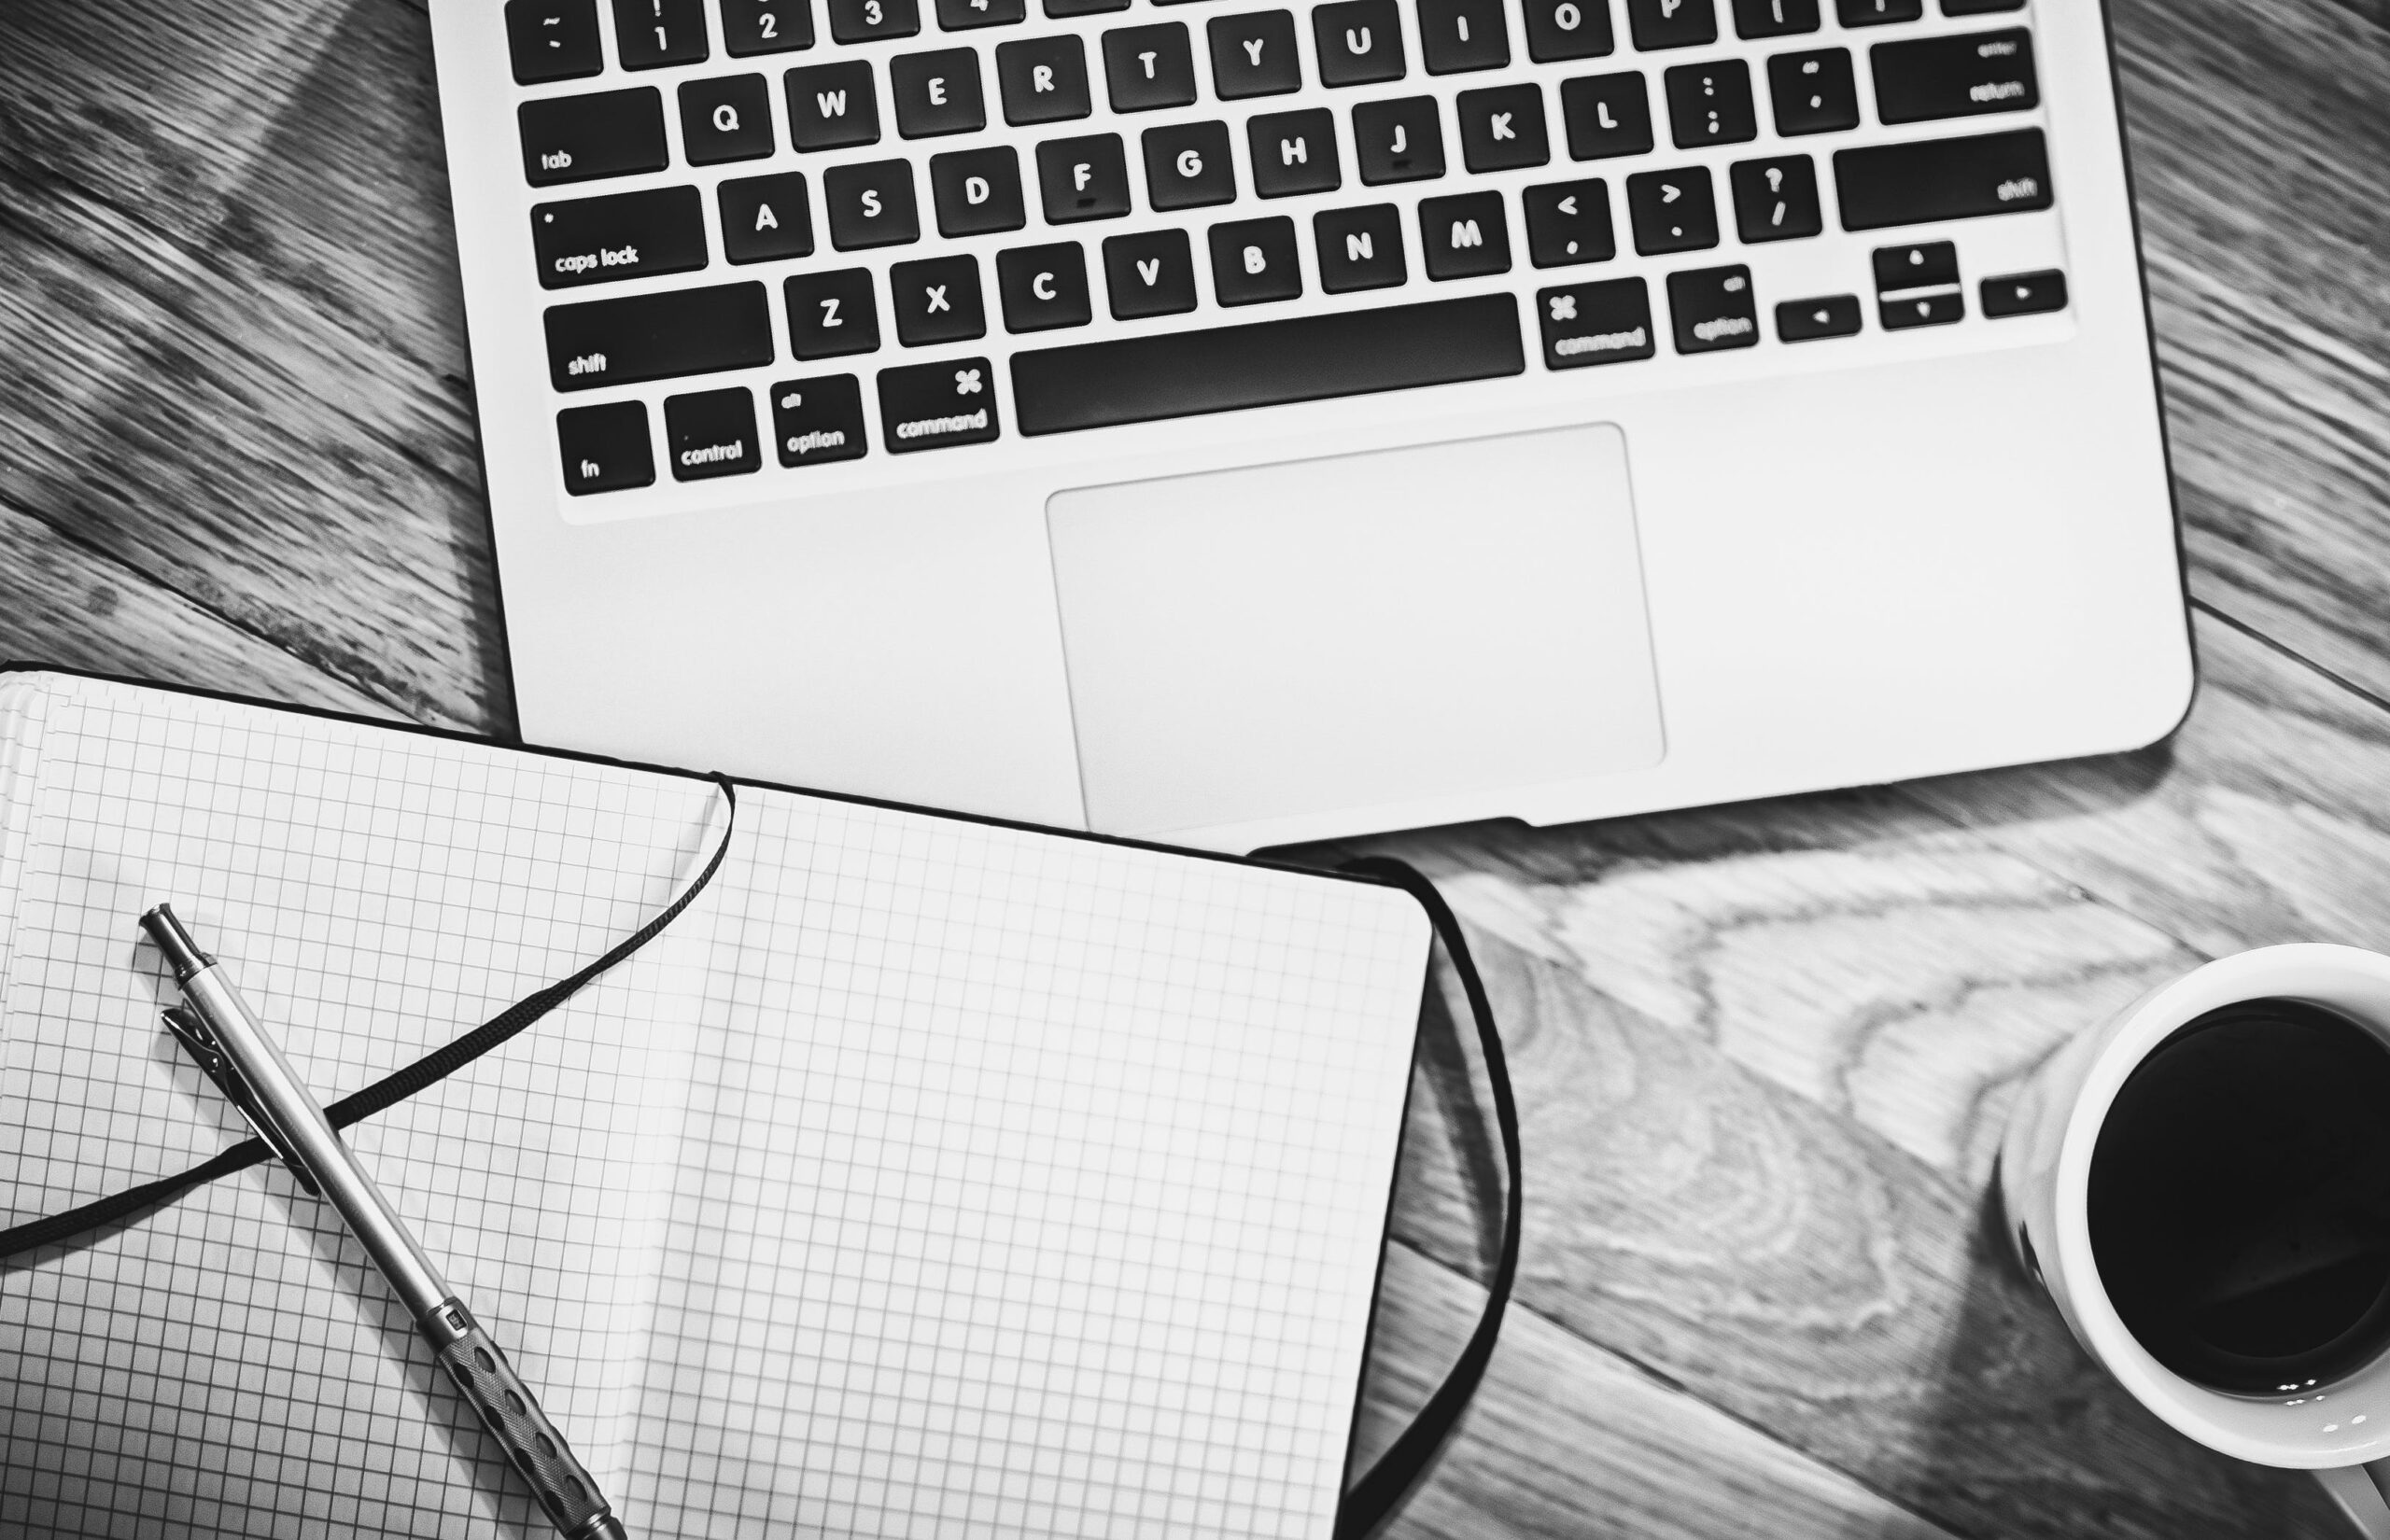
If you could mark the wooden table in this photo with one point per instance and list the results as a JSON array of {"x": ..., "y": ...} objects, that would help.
[{"x": 1763, "y": 1051}]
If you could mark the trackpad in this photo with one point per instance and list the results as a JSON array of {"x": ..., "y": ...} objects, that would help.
[{"x": 1356, "y": 631}]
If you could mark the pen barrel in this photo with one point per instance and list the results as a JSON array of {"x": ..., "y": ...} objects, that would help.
[{"x": 491, "y": 1387}]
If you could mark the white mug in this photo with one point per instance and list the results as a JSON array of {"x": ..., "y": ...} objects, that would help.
[{"x": 2341, "y": 1431}]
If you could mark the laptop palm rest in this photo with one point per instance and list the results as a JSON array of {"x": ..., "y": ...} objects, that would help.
[{"x": 1356, "y": 631}]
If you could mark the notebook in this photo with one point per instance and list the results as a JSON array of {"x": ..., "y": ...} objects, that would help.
[{"x": 927, "y": 1176}]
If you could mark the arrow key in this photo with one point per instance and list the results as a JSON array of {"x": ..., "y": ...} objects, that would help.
[
  {"x": 1568, "y": 223},
  {"x": 1672, "y": 211},
  {"x": 1806, "y": 320}
]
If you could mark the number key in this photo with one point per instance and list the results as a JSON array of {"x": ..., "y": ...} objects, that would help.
[
  {"x": 963, "y": 15},
  {"x": 865, "y": 21},
  {"x": 651, "y": 34},
  {"x": 553, "y": 40},
  {"x": 765, "y": 26}
]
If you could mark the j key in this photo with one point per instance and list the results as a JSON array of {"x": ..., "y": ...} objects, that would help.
[
  {"x": 1607, "y": 115},
  {"x": 1501, "y": 128},
  {"x": 725, "y": 119},
  {"x": 818, "y": 420},
  {"x": 1188, "y": 166},
  {"x": 1568, "y": 29},
  {"x": 833, "y": 107},
  {"x": 1266, "y": 363},
  {"x": 2024, "y": 293},
  {"x": 1043, "y": 288},
  {"x": 937, "y": 301},
  {"x": 1921, "y": 78},
  {"x": 1568, "y": 223},
  {"x": 651, "y": 34},
  {"x": 1776, "y": 200},
  {"x": 582, "y": 138},
  {"x": 1457, "y": 35},
  {"x": 1870, "y": 13},
  {"x": 658, "y": 336},
  {"x": 1775, "y": 18},
  {"x": 977, "y": 191},
  {"x": 1932, "y": 264},
  {"x": 1083, "y": 178},
  {"x": 1149, "y": 67},
  {"x": 935, "y": 93},
  {"x": 871, "y": 204},
  {"x": 1293, "y": 152},
  {"x": 1602, "y": 323},
  {"x": 1359, "y": 247},
  {"x": 1886, "y": 184},
  {"x": 1401, "y": 141},
  {"x": 605, "y": 447},
  {"x": 1672, "y": 23},
  {"x": 553, "y": 40},
  {"x": 831, "y": 314},
  {"x": 712, "y": 433},
  {"x": 963, "y": 15},
  {"x": 930, "y": 406},
  {"x": 1711, "y": 103},
  {"x": 1464, "y": 236},
  {"x": 867, "y": 20},
  {"x": 1042, "y": 79},
  {"x": 1672, "y": 211},
  {"x": 1254, "y": 55},
  {"x": 1254, "y": 261},
  {"x": 1151, "y": 275},
  {"x": 1712, "y": 309},
  {"x": 627, "y": 235},
  {"x": 1813, "y": 91},
  {"x": 1806, "y": 320},
  {"x": 1058, "y": 8},
  {"x": 766, "y": 218},
  {"x": 1357, "y": 42},
  {"x": 749, "y": 27}
]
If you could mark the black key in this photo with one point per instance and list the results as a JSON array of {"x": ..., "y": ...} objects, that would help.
[
  {"x": 930, "y": 406},
  {"x": 831, "y": 314},
  {"x": 766, "y": 218},
  {"x": 1149, "y": 67},
  {"x": 833, "y": 107},
  {"x": 1359, "y": 247},
  {"x": 1254, "y": 261},
  {"x": 1607, "y": 115},
  {"x": 977, "y": 191},
  {"x": 935, "y": 93},
  {"x": 1044, "y": 79},
  {"x": 658, "y": 336},
  {"x": 749, "y": 27},
  {"x": 1945, "y": 307},
  {"x": 964, "y": 15},
  {"x": 1293, "y": 152},
  {"x": 605, "y": 447},
  {"x": 818, "y": 420},
  {"x": 1501, "y": 128},
  {"x": 1254, "y": 55},
  {"x": 1713, "y": 309},
  {"x": 1083, "y": 7},
  {"x": 1464, "y": 236},
  {"x": 651, "y": 34},
  {"x": 1711, "y": 103},
  {"x": 555, "y": 40},
  {"x": 1083, "y": 178},
  {"x": 1266, "y": 363},
  {"x": 1671, "y": 23},
  {"x": 1672, "y": 211},
  {"x": 1043, "y": 287},
  {"x": 2024, "y": 293},
  {"x": 1457, "y": 35},
  {"x": 868, "y": 20},
  {"x": 1922, "y": 79},
  {"x": 712, "y": 433},
  {"x": 1870, "y": 13},
  {"x": 582, "y": 138},
  {"x": 871, "y": 206},
  {"x": 1149, "y": 275},
  {"x": 1775, "y": 18},
  {"x": 1568, "y": 29},
  {"x": 1402, "y": 141},
  {"x": 627, "y": 235},
  {"x": 937, "y": 301},
  {"x": 1775, "y": 198},
  {"x": 1358, "y": 42},
  {"x": 1188, "y": 166},
  {"x": 1568, "y": 223},
  {"x": 1806, "y": 320},
  {"x": 1600, "y": 323},
  {"x": 1813, "y": 91},
  {"x": 1942, "y": 180},
  {"x": 729, "y": 120},
  {"x": 1979, "y": 7},
  {"x": 1932, "y": 264}
]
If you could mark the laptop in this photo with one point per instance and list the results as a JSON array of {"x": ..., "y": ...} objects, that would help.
[{"x": 1236, "y": 424}]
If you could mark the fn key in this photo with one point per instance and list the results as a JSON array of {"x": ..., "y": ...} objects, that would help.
[{"x": 605, "y": 447}]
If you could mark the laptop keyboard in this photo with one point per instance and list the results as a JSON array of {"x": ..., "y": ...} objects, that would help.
[{"x": 940, "y": 225}]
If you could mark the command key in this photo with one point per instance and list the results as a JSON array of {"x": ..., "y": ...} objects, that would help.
[{"x": 930, "y": 406}]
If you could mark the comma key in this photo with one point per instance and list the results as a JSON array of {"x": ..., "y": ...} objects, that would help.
[{"x": 931, "y": 406}]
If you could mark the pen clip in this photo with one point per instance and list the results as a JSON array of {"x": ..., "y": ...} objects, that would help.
[{"x": 192, "y": 1032}]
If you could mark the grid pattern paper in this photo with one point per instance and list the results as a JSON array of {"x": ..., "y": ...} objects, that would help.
[{"x": 925, "y": 1177}]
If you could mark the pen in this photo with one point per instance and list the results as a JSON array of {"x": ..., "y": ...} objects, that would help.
[{"x": 225, "y": 1037}]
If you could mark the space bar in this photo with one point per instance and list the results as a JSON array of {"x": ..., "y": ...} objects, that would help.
[{"x": 1265, "y": 363}]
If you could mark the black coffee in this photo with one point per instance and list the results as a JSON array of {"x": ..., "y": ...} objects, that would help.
[{"x": 2240, "y": 1199}]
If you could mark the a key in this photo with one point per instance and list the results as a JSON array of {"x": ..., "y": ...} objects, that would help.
[
  {"x": 935, "y": 93},
  {"x": 1919, "y": 79},
  {"x": 1458, "y": 35},
  {"x": 1886, "y": 184},
  {"x": 1188, "y": 165},
  {"x": 964, "y": 15},
  {"x": 626, "y": 235},
  {"x": 1042, "y": 79},
  {"x": 871, "y": 204},
  {"x": 1568, "y": 223},
  {"x": 818, "y": 420},
  {"x": 1808, "y": 320},
  {"x": 749, "y": 27},
  {"x": 1060, "y": 9},
  {"x": 1139, "y": 379},
  {"x": 833, "y": 107},
  {"x": 1254, "y": 55},
  {"x": 1043, "y": 288},
  {"x": 1710, "y": 104},
  {"x": 1357, "y": 42},
  {"x": 1254, "y": 261},
  {"x": 1359, "y": 248},
  {"x": 1871, "y": 13},
  {"x": 869, "y": 20},
  {"x": 605, "y": 448},
  {"x": 931, "y": 406},
  {"x": 1149, "y": 67},
  {"x": 2024, "y": 294},
  {"x": 1501, "y": 128},
  {"x": 831, "y": 314},
  {"x": 1568, "y": 29},
  {"x": 1775, "y": 18},
  {"x": 1293, "y": 152},
  {"x": 1083, "y": 178},
  {"x": 766, "y": 218},
  {"x": 728, "y": 120},
  {"x": 553, "y": 40},
  {"x": 977, "y": 191},
  {"x": 1775, "y": 198},
  {"x": 1400, "y": 141},
  {"x": 1672, "y": 23},
  {"x": 1813, "y": 91},
  {"x": 653, "y": 34},
  {"x": 1607, "y": 322},
  {"x": 1607, "y": 115},
  {"x": 1149, "y": 275},
  {"x": 1672, "y": 211},
  {"x": 1712, "y": 309},
  {"x": 641, "y": 336},
  {"x": 937, "y": 301},
  {"x": 712, "y": 433},
  {"x": 1464, "y": 236},
  {"x": 582, "y": 138}
]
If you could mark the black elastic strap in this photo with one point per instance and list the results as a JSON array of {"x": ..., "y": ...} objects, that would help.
[
  {"x": 388, "y": 1091},
  {"x": 1371, "y": 1498}
]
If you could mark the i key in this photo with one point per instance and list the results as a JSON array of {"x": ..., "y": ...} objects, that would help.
[{"x": 1457, "y": 35}]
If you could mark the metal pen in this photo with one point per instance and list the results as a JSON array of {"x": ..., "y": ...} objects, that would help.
[{"x": 232, "y": 1047}]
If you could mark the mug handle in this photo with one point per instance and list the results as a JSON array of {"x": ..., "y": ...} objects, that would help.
[{"x": 2359, "y": 1493}]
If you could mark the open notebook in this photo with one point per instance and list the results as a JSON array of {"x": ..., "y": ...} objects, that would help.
[{"x": 926, "y": 1177}]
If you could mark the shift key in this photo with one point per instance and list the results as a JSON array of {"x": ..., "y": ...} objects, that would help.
[
  {"x": 1914, "y": 184},
  {"x": 658, "y": 336}
]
